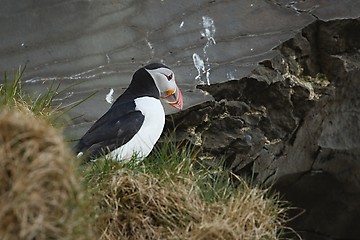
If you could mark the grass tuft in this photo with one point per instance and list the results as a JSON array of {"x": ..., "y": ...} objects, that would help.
[
  {"x": 40, "y": 195},
  {"x": 12, "y": 94},
  {"x": 170, "y": 195},
  {"x": 139, "y": 206}
]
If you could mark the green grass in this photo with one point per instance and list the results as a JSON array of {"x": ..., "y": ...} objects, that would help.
[
  {"x": 175, "y": 161},
  {"x": 13, "y": 94},
  {"x": 171, "y": 194},
  {"x": 178, "y": 172}
]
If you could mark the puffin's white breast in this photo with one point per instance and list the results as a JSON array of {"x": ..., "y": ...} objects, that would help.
[{"x": 144, "y": 140}]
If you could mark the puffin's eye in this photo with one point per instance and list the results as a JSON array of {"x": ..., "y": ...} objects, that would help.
[{"x": 169, "y": 77}]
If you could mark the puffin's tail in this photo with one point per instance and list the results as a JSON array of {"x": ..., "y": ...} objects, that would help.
[{"x": 80, "y": 151}]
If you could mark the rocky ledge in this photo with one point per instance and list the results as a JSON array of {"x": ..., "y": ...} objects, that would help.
[{"x": 294, "y": 123}]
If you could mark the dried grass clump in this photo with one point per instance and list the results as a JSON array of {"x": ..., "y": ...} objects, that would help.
[
  {"x": 141, "y": 206},
  {"x": 248, "y": 215},
  {"x": 39, "y": 192}
]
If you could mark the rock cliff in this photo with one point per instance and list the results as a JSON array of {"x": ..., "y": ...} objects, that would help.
[{"x": 293, "y": 123}]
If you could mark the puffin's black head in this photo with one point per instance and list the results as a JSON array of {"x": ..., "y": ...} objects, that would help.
[
  {"x": 157, "y": 80},
  {"x": 153, "y": 66}
]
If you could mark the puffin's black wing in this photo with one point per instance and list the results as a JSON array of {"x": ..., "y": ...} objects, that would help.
[{"x": 115, "y": 128}]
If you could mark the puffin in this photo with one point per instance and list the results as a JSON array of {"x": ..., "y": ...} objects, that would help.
[{"x": 135, "y": 121}]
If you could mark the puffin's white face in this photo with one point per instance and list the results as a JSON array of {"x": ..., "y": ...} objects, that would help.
[{"x": 164, "y": 80}]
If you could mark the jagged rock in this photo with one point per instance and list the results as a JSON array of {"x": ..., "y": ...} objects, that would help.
[{"x": 294, "y": 123}]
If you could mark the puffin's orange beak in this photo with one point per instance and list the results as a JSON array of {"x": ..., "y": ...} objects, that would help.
[{"x": 174, "y": 98}]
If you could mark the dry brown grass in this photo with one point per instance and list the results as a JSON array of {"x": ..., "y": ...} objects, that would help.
[
  {"x": 248, "y": 215},
  {"x": 39, "y": 191},
  {"x": 141, "y": 206}
]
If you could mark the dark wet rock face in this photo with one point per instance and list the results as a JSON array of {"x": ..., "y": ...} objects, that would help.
[{"x": 295, "y": 123}]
